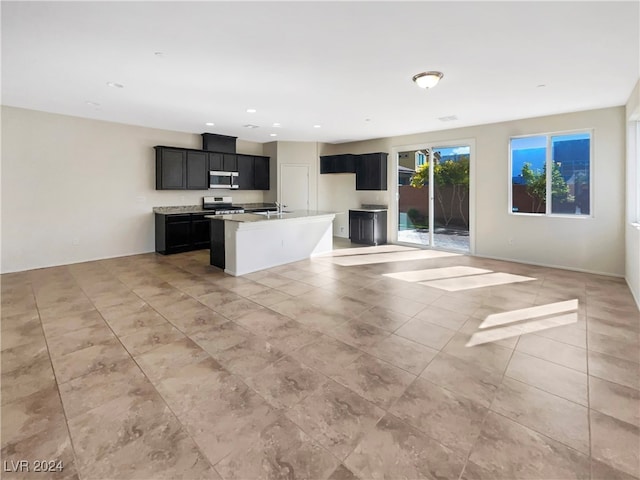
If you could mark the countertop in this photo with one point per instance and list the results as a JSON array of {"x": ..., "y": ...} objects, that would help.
[
  {"x": 370, "y": 210},
  {"x": 254, "y": 217},
  {"x": 184, "y": 209}
]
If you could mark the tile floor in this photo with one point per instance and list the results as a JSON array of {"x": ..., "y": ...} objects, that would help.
[{"x": 158, "y": 367}]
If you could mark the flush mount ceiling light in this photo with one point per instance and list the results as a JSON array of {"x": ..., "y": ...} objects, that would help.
[
  {"x": 427, "y": 79},
  {"x": 273, "y": 134},
  {"x": 251, "y": 110},
  {"x": 209, "y": 124},
  {"x": 115, "y": 85}
]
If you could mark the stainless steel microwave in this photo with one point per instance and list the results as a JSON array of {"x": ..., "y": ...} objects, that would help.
[{"x": 228, "y": 180}]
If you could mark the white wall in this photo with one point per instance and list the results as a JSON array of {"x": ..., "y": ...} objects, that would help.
[
  {"x": 632, "y": 224},
  {"x": 299, "y": 153},
  {"x": 593, "y": 244},
  {"x": 69, "y": 180}
]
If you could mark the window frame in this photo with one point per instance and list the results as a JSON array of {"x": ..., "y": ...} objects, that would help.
[{"x": 548, "y": 163}]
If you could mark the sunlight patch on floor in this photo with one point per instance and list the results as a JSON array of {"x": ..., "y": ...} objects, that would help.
[
  {"x": 348, "y": 261},
  {"x": 496, "y": 319},
  {"x": 476, "y": 281},
  {"x": 436, "y": 273},
  {"x": 525, "y": 320}
]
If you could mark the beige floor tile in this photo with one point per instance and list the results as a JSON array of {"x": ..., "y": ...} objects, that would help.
[
  {"x": 488, "y": 356},
  {"x": 384, "y": 319},
  {"x": 615, "y": 443},
  {"x": 615, "y": 400},
  {"x": 627, "y": 349},
  {"x": 550, "y": 377},
  {"x": 402, "y": 353},
  {"x": 507, "y": 450},
  {"x": 248, "y": 357},
  {"x": 602, "y": 471},
  {"x": 336, "y": 418},
  {"x": 81, "y": 362},
  {"x": 463, "y": 377},
  {"x": 454, "y": 420},
  {"x": 358, "y": 334},
  {"x": 286, "y": 382},
  {"x": 282, "y": 450},
  {"x": 550, "y": 415},
  {"x": 614, "y": 369},
  {"x": 327, "y": 355},
  {"x": 428, "y": 334},
  {"x": 444, "y": 317},
  {"x": 31, "y": 414},
  {"x": 554, "y": 351},
  {"x": 396, "y": 450},
  {"x": 166, "y": 408},
  {"x": 80, "y": 339},
  {"x": 26, "y": 380},
  {"x": 375, "y": 380},
  {"x": 24, "y": 355}
]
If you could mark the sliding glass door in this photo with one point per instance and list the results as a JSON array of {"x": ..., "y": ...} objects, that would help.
[{"x": 433, "y": 197}]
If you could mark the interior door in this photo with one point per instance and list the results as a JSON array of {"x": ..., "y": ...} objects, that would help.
[{"x": 294, "y": 187}]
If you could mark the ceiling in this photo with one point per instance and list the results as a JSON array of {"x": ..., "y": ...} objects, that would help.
[{"x": 345, "y": 66}]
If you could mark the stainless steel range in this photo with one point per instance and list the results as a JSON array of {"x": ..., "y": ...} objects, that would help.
[{"x": 220, "y": 205}]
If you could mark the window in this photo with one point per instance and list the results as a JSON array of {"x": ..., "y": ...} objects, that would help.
[{"x": 567, "y": 157}]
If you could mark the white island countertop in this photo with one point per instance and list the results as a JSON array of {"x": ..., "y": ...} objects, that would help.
[
  {"x": 255, "y": 242},
  {"x": 256, "y": 217}
]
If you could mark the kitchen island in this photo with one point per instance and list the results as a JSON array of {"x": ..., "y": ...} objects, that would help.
[{"x": 248, "y": 242}]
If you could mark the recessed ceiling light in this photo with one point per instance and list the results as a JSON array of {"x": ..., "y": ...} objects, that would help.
[
  {"x": 273, "y": 134},
  {"x": 159, "y": 54},
  {"x": 367, "y": 119},
  {"x": 249, "y": 125},
  {"x": 251, "y": 110},
  {"x": 317, "y": 126},
  {"x": 277, "y": 125},
  {"x": 209, "y": 124},
  {"x": 93, "y": 104},
  {"x": 542, "y": 85},
  {"x": 449, "y": 118},
  {"x": 115, "y": 85},
  {"x": 427, "y": 79}
]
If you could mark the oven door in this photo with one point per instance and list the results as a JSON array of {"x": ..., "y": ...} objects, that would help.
[{"x": 227, "y": 180}]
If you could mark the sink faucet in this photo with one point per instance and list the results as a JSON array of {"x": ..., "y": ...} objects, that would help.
[{"x": 280, "y": 207}]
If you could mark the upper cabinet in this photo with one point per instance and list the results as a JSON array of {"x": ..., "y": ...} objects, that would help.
[
  {"x": 253, "y": 172},
  {"x": 188, "y": 169},
  {"x": 371, "y": 171},
  {"x": 171, "y": 168},
  {"x": 338, "y": 163},
  {"x": 197, "y": 170},
  {"x": 370, "y": 168}
]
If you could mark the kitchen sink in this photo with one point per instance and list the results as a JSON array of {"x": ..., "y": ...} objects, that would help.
[{"x": 272, "y": 214}]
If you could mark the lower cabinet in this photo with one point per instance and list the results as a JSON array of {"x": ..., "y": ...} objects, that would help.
[
  {"x": 216, "y": 253},
  {"x": 181, "y": 233},
  {"x": 369, "y": 228}
]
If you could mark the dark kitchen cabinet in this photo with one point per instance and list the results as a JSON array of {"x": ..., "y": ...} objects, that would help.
[
  {"x": 187, "y": 168},
  {"x": 369, "y": 228},
  {"x": 199, "y": 232},
  {"x": 253, "y": 172},
  {"x": 215, "y": 162},
  {"x": 371, "y": 171},
  {"x": 171, "y": 168},
  {"x": 337, "y": 163},
  {"x": 217, "y": 252},
  {"x": 181, "y": 233},
  {"x": 261, "y": 173},
  {"x": 197, "y": 170},
  {"x": 246, "y": 172},
  {"x": 229, "y": 162},
  {"x": 181, "y": 169}
]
